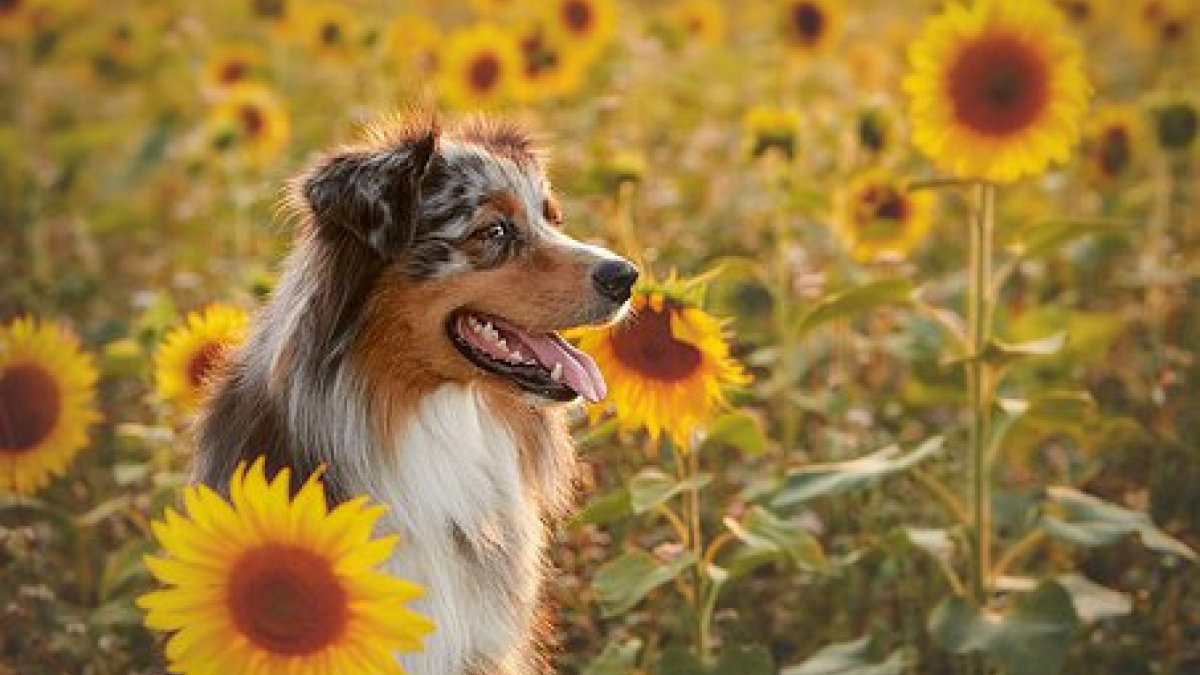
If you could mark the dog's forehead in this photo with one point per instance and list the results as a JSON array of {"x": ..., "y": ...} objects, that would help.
[{"x": 479, "y": 172}]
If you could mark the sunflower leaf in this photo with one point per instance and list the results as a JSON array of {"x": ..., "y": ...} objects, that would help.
[
  {"x": 621, "y": 584},
  {"x": 606, "y": 508},
  {"x": 739, "y": 429},
  {"x": 852, "y": 301},
  {"x": 618, "y": 658},
  {"x": 849, "y": 658},
  {"x": 1089, "y": 521},
  {"x": 818, "y": 480},
  {"x": 768, "y": 538},
  {"x": 1030, "y": 638},
  {"x": 651, "y": 488},
  {"x": 1042, "y": 238}
]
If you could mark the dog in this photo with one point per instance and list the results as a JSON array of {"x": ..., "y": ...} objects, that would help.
[{"x": 411, "y": 348}]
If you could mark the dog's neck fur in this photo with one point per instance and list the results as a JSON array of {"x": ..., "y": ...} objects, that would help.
[{"x": 467, "y": 471}]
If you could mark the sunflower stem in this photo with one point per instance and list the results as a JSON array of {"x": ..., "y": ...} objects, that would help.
[
  {"x": 699, "y": 592},
  {"x": 979, "y": 320}
]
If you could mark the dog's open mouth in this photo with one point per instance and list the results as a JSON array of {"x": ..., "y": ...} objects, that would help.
[{"x": 540, "y": 363}]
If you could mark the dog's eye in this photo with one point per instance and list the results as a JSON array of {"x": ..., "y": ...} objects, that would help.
[{"x": 500, "y": 230}]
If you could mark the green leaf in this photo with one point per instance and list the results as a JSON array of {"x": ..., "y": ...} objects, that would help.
[
  {"x": 123, "y": 565},
  {"x": 622, "y": 583},
  {"x": 744, "y": 660},
  {"x": 1089, "y": 521},
  {"x": 676, "y": 660},
  {"x": 935, "y": 542},
  {"x": 618, "y": 658},
  {"x": 818, "y": 480},
  {"x": 116, "y": 613},
  {"x": 856, "y": 300},
  {"x": 1040, "y": 239},
  {"x": 849, "y": 658},
  {"x": 52, "y": 514},
  {"x": 1092, "y": 601},
  {"x": 606, "y": 508},
  {"x": 768, "y": 537},
  {"x": 1030, "y": 638},
  {"x": 651, "y": 488},
  {"x": 739, "y": 429},
  {"x": 105, "y": 510},
  {"x": 999, "y": 352}
]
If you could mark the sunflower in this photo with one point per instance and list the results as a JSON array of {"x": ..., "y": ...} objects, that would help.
[
  {"x": 19, "y": 18},
  {"x": 329, "y": 29},
  {"x": 588, "y": 26},
  {"x": 878, "y": 219},
  {"x": 232, "y": 65},
  {"x": 874, "y": 130},
  {"x": 771, "y": 128},
  {"x": 666, "y": 363},
  {"x": 480, "y": 68},
  {"x": 549, "y": 70},
  {"x": 1113, "y": 139},
  {"x": 1083, "y": 13},
  {"x": 997, "y": 89},
  {"x": 47, "y": 388},
  {"x": 250, "y": 118},
  {"x": 413, "y": 41},
  {"x": 15, "y": 17},
  {"x": 809, "y": 26},
  {"x": 702, "y": 21},
  {"x": 189, "y": 354},
  {"x": 275, "y": 13},
  {"x": 1164, "y": 23},
  {"x": 1175, "y": 123},
  {"x": 264, "y": 583}
]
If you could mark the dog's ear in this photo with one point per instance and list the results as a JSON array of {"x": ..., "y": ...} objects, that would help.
[{"x": 375, "y": 195}]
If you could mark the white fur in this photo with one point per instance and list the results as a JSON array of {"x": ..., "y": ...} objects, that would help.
[{"x": 456, "y": 466}]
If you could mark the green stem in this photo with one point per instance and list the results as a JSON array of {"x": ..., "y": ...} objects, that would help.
[
  {"x": 979, "y": 319},
  {"x": 697, "y": 540}
]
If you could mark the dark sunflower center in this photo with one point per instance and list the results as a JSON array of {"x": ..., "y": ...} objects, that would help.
[
  {"x": 9, "y": 6},
  {"x": 484, "y": 72},
  {"x": 233, "y": 71},
  {"x": 890, "y": 205},
  {"x": 645, "y": 345},
  {"x": 1173, "y": 29},
  {"x": 200, "y": 366},
  {"x": 1115, "y": 151},
  {"x": 331, "y": 33},
  {"x": 808, "y": 21},
  {"x": 29, "y": 407},
  {"x": 577, "y": 15},
  {"x": 1078, "y": 11},
  {"x": 287, "y": 600},
  {"x": 273, "y": 9},
  {"x": 998, "y": 86}
]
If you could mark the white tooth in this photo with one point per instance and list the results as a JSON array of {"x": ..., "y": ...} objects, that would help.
[
  {"x": 556, "y": 372},
  {"x": 503, "y": 344}
]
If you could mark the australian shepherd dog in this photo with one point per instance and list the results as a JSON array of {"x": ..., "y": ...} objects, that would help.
[{"x": 410, "y": 347}]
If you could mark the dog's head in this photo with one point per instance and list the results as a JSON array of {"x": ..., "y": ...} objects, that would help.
[{"x": 453, "y": 245}]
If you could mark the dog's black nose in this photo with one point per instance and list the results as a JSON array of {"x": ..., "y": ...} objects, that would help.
[{"x": 614, "y": 279}]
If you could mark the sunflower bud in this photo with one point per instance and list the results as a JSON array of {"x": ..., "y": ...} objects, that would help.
[
  {"x": 872, "y": 130},
  {"x": 1175, "y": 124},
  {"x": 768, "y": 128}
]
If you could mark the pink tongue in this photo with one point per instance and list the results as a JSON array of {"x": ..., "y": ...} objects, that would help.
[{"x": 579, "y": 371}]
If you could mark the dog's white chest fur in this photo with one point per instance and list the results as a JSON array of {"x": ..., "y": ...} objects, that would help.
[{"x": 471, "y": 533}]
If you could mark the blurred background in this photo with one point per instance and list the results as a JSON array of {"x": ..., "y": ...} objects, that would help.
[{"x": 144, "y": 147}]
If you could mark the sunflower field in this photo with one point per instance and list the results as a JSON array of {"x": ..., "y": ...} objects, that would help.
[{"x": 911, "y": 383}]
